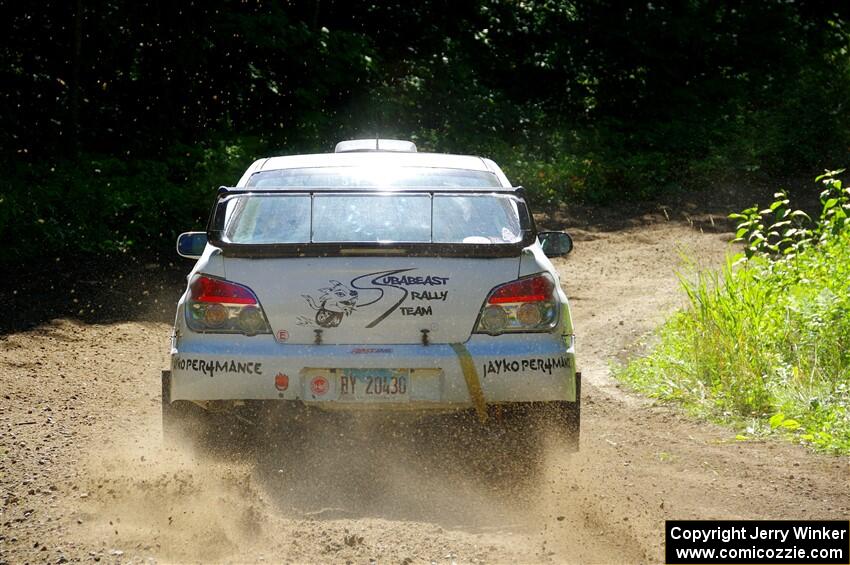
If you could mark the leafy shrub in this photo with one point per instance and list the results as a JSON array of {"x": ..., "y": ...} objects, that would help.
[
  {"x": 108, "y": 204},
  {"x": 767, "y": 340}
]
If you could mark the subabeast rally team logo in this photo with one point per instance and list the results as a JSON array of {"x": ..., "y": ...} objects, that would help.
[{"x": 388, "y": 288}]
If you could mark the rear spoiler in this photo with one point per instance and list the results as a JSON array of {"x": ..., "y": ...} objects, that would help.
[
  {"x": 518, "y": 191},
  {"x": 216, "y": 232}
]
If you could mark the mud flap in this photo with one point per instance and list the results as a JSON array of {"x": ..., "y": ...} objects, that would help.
[
  {"x": 572, "y": 418},
  {"x": 166, "y": 388},
  {"x": 168, "y": 416},
  {"x": 173, "y": 415},
  {"x": 473, "y": 384}
]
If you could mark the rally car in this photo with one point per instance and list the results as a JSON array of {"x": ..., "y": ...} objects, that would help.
[{"x": 375, "y": 278}]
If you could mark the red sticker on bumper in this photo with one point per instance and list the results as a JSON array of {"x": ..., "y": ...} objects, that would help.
[
  {"x": 319, "y": 386},
  {"x": 281, "y": 381}
]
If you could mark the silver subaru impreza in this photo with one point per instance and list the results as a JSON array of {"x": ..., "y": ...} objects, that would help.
[{"x": 375, "y": 278}]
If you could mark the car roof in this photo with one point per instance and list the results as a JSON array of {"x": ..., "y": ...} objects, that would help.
[
  {"x": 372, "y": 158},
  {"x": 377, "y": 159}
]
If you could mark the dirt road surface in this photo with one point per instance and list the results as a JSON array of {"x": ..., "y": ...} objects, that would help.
[{"x": 83, "y": 476}]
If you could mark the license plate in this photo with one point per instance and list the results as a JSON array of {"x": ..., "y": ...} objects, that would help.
[{"x": 373, "y": 385}]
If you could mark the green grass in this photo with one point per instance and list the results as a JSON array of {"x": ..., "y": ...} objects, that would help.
[{"x": 765, "y": 344}]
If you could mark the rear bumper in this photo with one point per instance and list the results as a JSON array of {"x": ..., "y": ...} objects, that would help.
[{"x": 519, "y": 368}]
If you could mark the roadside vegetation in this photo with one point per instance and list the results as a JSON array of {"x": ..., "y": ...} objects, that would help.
[
  {"x": 119, "y": 120},
  {"x": 765, "y": 344}
]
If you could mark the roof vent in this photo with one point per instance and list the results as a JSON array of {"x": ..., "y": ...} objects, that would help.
[{"x": 377, "y": 144}]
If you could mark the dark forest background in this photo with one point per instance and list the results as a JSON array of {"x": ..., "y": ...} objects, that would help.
[{"x": 119, "y": 119}]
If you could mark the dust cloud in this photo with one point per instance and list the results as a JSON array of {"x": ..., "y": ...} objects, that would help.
[{"x": 354, "y": 488}]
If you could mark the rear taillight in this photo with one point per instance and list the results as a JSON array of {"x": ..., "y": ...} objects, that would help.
[
  {"x": 216, "y": 305},
  {"x": 525, "y": 305}
]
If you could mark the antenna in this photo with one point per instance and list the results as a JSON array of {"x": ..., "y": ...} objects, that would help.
[{"x": 376, "y": 143}]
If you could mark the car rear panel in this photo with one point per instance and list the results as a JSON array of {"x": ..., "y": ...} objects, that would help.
[{"x": 371, "y": 300}]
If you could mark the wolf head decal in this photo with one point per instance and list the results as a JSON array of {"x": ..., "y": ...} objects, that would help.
[{"x": 333, "y": 303}]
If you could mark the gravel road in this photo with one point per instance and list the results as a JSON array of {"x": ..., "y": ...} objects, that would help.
[{"x": 83, "y": 476}]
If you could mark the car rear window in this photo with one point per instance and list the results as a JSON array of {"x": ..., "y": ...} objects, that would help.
[
  {"x": 373, "y": 218},
  {"x": 367, "y": 177}
]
